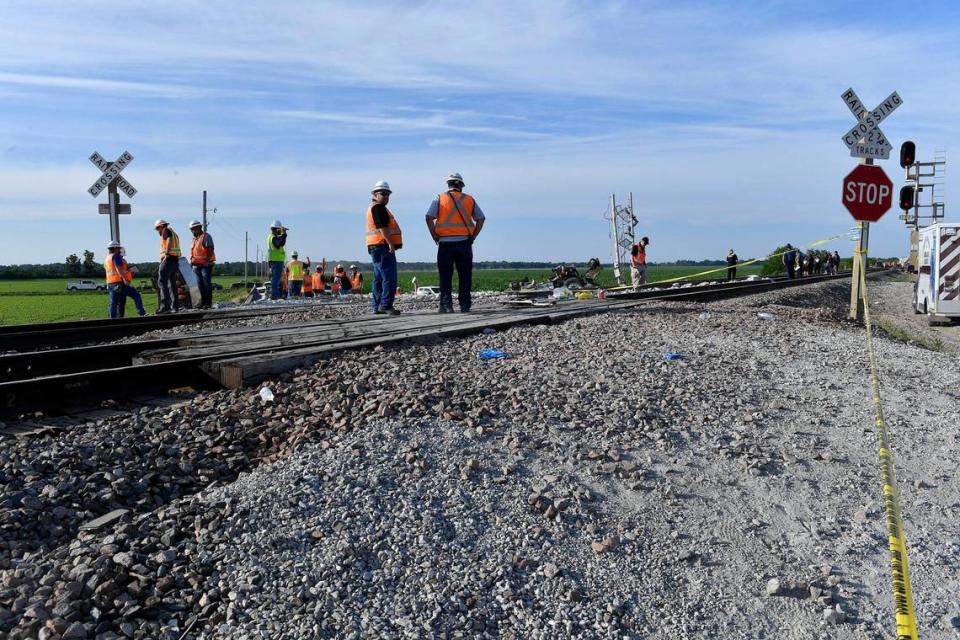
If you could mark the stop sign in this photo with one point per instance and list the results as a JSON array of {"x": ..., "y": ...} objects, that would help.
[{"x": 867, "y": 192}]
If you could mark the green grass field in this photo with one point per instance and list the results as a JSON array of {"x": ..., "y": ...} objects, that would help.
[{"x": 47, "y": 300}]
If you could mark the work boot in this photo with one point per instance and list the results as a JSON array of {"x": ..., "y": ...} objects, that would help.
[
  {"x": 162, "y": 311},
  {"x": 443, "y": 309},
  {"x": 391, "y": 312}
]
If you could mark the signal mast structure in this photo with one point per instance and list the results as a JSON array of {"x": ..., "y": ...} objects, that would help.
[
  {"x": 921, "y": 176},
  {"x": 623, "y": 226}
]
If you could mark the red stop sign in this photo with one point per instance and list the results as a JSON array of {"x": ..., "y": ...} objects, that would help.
[{"x": 867, "y": 192}]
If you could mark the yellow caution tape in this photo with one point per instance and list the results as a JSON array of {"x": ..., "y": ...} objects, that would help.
[{"x": 902, "y": 592}]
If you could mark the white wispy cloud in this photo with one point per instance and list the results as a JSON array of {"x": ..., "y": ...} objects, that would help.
[{"x": 145, "y": 89}]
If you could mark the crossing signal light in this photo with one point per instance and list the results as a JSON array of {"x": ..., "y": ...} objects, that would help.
[
  {"x": 906, "y": 197},
  {"x": 908, "y": 154}
]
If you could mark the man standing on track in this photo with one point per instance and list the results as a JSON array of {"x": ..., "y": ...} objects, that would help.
[
  {"x": 638, "y": 262},
  {"x": 789, "y": 256},
  {"x": 732, "y": 260},
  {"x": 454, "y": 221},
  {"x": 383, "y": 240},
  {"x": 169, "y": 267},
  {"x": 119, "y": 276},
  {"x": 296, "y": 270},
  {"x": 276, "y": 256},
  {"x": 202, "y": 258}
]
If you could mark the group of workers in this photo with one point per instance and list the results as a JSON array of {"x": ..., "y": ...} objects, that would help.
[
  {"x": 797, "y": 263},
  {"x": 296, "y": 281},
  {"x": 202, "y": 257},
  {"x": 454, "y": 220}
]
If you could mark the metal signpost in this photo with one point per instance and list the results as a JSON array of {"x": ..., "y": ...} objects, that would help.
[
  {"x": 867, "y": 192},
  {"x": 112, "y": 182}
]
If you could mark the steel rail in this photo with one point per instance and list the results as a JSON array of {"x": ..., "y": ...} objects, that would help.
[{"x": 57, "y": 378}]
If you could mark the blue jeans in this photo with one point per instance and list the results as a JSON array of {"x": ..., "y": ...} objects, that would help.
[
  {"x": 204, "y": 275},
  {"x": 459, "y": 255},
  {"x": 384, "y": 277},
  {"x": 167, "y": 283},
  {"x": 117, "y": 293},
  {"x": 276, "y": 272},
  {"x": 294, "y": 287}
]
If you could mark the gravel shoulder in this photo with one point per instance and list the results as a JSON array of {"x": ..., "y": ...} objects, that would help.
[{"x": 585, "y": 487}]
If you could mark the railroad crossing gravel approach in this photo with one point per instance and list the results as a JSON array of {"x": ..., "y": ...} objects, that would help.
[{"x": 585, "y": 487}]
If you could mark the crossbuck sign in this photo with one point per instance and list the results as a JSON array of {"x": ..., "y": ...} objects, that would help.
[
  {"x": 865, "y": 139},
  {"x": 111, "y": 172}
]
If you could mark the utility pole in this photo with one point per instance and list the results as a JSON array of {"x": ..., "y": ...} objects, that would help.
[
  {"x": 614, "y": 249},
  {"x": 246, "y": 250},
  {"x": 204, "y": 210}
]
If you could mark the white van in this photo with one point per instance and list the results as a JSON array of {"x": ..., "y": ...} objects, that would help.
[{"x": 938, "y": 272}]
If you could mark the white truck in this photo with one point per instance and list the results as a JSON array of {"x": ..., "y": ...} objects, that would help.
[
  {"x": 937, "y": 290},
  {"x": 86, "y": 285}
]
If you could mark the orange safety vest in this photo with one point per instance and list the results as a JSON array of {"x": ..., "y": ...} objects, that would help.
[
  {"x": 307, "y": 284},
  {"x": 317, "y": 282},
  {"x": 357, "y": 281},
  {"x": 454, "y": 221},
  {"x": 199, "y": 254},
  {"x": 116, "y": 275},
  {"x": 170, "y": 246},
  {"x": 393, "y": 230},
  {"x": 641, "y": 257},
  {"x": 335, "y": 287}
]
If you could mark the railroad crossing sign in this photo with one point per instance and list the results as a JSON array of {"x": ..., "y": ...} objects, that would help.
[
  {"x": 111, "y": 172},
  {"x": 867, "y": 192},
  {"x": 112, "y": 181},
  {"x": 865, "y": 139}
]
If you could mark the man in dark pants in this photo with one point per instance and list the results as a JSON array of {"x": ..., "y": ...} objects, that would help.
[
  {"x": 732, "y": 260},
  {"x": 383, "y": 240},
  {"x": 202, "y": 258},
  {"x": 454, "y": 221},
  {"x": 788, "y": 261},
  {"x": 169, "y": 267},
  {"x": 276, "y": 256}
]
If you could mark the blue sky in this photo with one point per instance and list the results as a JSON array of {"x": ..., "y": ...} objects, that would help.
[{"x": 723, "y": 119}]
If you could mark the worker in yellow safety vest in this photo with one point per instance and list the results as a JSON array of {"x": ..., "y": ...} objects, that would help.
[
  {"x": 276, "y": 256},
  {"x": 119, "y": 276},
  {"x": 454, "y": 221},
  {"x": 383, "y": 240},
  {"x": 295, "y": 272},
  {"x": 169, "y": 266}
]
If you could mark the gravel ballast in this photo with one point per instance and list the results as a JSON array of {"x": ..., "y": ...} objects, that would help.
[{"x": 584, "y": 487}]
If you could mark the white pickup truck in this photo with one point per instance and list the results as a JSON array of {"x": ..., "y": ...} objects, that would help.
[{"x": 86, "y": 285}]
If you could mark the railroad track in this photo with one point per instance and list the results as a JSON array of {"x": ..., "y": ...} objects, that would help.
[{"x": 55, "y": 378}]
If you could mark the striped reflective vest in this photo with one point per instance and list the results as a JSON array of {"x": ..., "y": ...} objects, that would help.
[
  {"x": 318, "y": 284},
  {"x": 115, "y": 274},
  {"x": 199, "y": 254},
  {"x": 296, "y": 270},
  {"x": 170, "y": 246},
  {"x": 273, "y": 253},
  {"x": 455, "y": 214},
  {"x": 374, "y": 236}
]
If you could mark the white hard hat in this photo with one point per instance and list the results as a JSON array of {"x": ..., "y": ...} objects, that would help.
[
  {"x": 114, "y": 245},
  {"x": 294, "y": 254},
  {"x": 276, "y": 225},
  {"x": 353, "y": 266},
  {"x": 455, "y": 177},
  {"x": 382, "y": 185},
  {"x": 195, "y": 223},
  {"x": 160, "y": 222}
]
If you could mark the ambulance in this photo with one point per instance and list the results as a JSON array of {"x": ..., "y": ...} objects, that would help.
[{"x": 937, "y": 291}]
